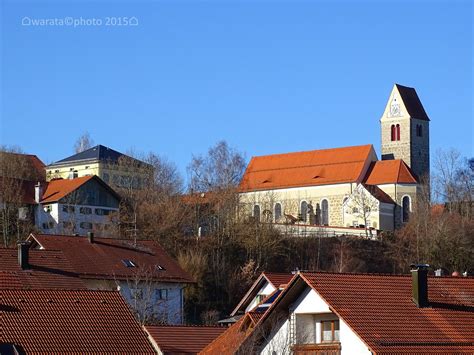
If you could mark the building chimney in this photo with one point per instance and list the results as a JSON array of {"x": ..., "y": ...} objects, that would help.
[
  {"x": 23, "y": 255},
  {"x": 38, "y": 192},
  {"x": 419, "y": 277},
  {"x": 90, "y": 236}
]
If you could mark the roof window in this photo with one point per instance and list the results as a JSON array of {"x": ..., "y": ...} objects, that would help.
[{"x": 128, "y": 263}]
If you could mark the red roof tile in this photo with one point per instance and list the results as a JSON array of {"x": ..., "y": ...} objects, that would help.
[
  {"x": 73, "y": 322},
  {"x": 317, "y": 167},
  {"x": 231, "y": 340},
  {"x": 389, "y": 172},
  {"x": 278, "y": 278},
  {"x": 103, "y": 258},
  {"x": 58, "y": 188},
  {"x": 183, "y": 339},
  {"x": 379, "y": 308},
  {"x": 47, "y": 270}
]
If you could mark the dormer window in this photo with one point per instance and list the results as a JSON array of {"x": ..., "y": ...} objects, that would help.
[
  {"x": 160, "y": 268},
  {"x": 128, "y": 263}
]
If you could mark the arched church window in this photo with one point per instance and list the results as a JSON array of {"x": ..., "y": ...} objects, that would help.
[
  {"x": 324, "y": 212},
  {"x": 405, "y": 208},
  {"x": 277, "y": 211},
  {"x": 398, "y": 132},
  {"x": 304, "y": 211},
  {"x": 256, "y": 212},
  {"x": 393, "y": 133}
]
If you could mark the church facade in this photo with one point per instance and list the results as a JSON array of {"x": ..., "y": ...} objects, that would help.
[{"x": 346, "y": 187}]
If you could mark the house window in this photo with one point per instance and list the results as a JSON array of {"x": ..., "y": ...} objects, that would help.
[
  {"x": 161, "y": 294},
  {"x": 85, "y": 225},
  {"x": 85, "y": 210},
  {"x": 277, "y": 211},
  {"x": 325, "y": 212},
  {"x": 355, "y": 210},
  {"x": 398, "y": 132},
  {"x": 102, "y": 212},
  {"x": 304, "y": 211},
  {"x": 68, "y": 225},
  {"x": 48, "y": 225},
  {"x": 259, "y": 298},
  {"x": 256, "y": 212},
  {"x": 68, "y": 209},
  {"x": 330, "y": 331},
  {"x": 48, "y": 208},
  {"x": 406, "y": 208}
]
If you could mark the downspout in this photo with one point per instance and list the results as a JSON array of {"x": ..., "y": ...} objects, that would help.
[{"x": 181, "y": 291}]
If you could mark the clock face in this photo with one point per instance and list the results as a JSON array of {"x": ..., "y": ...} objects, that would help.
[{"x": 394, "y": 108}]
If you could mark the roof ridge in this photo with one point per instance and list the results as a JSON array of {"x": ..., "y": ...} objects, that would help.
[
  {"x": 306, "y": 166},
  {"x": 84, "y": 237},
  {"x": 311, "y": 151}
]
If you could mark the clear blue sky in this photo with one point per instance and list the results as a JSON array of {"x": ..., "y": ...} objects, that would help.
[{"x": 267, "y": 76}]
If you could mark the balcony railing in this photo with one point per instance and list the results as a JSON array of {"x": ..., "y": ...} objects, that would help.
[{"x": 317, "y": 349}]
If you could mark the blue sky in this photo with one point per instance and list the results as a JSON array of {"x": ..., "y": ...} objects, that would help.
[{"x": 267, "y": 76}]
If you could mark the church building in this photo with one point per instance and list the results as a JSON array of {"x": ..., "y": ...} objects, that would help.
[{"x": 346, "y": 187}]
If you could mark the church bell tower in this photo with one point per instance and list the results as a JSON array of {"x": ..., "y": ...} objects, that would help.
[{"x": 405, "y": 130}]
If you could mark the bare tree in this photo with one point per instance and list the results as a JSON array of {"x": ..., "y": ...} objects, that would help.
[
  {"x": 454, "y": 181},
  {"x": 362, "y": 205},
  {"x": 83, "y": 143},
  {"x": 18, "y": 176},
  {"x": 221, "y": 168}
]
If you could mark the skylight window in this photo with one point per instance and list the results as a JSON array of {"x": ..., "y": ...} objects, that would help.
[
  {"x": 160, "y": 268},
  {"x": 128, "y": 263}
]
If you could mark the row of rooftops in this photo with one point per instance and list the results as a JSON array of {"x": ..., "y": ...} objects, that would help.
[
  {"x": 49, "y": 295},
  {"x": 382, "y": 310},
  {"x": 60, "y": 261},
  {"x": 312, "y": 168},
  {"x": 46, "y": 306}
]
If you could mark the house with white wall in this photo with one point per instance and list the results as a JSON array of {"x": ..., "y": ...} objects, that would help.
[
  {"x": 328, "y": 313},
  {"x": 76, "y": 206},
  {"x": 265, "y": 285},
  {"x": 149, "y": 280}
]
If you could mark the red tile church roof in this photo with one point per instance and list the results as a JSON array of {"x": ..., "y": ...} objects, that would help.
[
  {"x": 389, "y": 172},
  {"x": 316, "y": 167}
]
